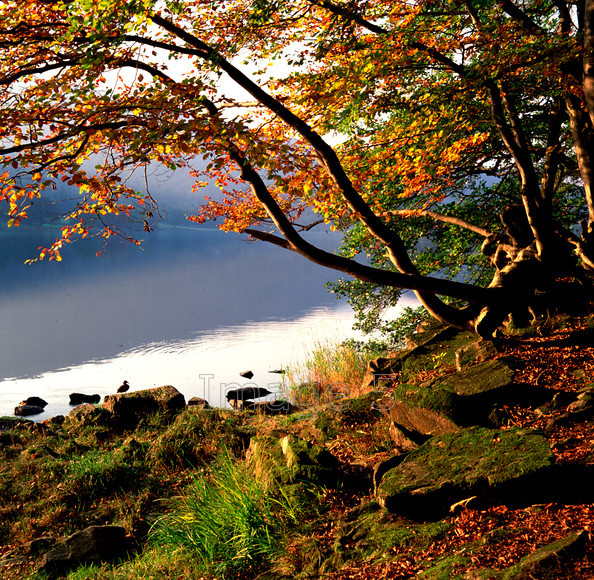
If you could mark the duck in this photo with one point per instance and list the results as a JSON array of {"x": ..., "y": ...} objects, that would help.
[{"x": 123, "y": 387}]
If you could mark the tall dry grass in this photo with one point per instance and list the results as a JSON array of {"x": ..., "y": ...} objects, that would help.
[{"x": 331, "y": 370}]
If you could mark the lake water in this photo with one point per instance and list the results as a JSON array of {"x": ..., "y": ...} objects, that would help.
[{"x": 193, "y": 308}]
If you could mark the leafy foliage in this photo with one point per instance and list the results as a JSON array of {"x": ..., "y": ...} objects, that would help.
[{"x": 463, "y": 133}]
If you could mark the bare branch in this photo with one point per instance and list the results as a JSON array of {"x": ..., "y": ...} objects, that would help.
[
  {"x": 443, "y": 218},
  {"x": 520, "y": 16}
]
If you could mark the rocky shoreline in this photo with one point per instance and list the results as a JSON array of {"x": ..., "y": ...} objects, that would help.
[{"x": 456, "y": 458}]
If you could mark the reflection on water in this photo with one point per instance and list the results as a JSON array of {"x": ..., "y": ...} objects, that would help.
[
  {"x": 193, "y": 302},
  {"x": 204, "y": 366}
]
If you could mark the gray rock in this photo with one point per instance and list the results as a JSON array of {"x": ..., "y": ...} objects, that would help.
[
  {"x": 455, "y": 466},
  {"x": 80, "y": 398},
  {"x": 481, "y": 350},
  {"x": 38, "y": 545},
  {"x": 93, "y": 544},
  {"x": 199, "y": 403},
  {"x": 437, "y": 346},
  {"x": 402, "y": 441},
  {"x": 381, "y": 468},
  {"x": 35, "y": 402},
  {"x": 87, "y": 415},
  {"x": 26, "y": 410},
  {"x": 236, "y": 397},
  {"x": 427, "y": 411}
]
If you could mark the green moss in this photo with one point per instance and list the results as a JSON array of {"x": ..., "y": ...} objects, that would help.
[
  {"x": 440, "y": 400},
  {"x": 452, "y": 567},
  {"x": 194, "y": 437},
  {"x": 327, "y": 424},
  {"x": 496, "y": 536},
  {"x": 291, "y": 459},
  {"x": 372, "y": 535},
  {"x": 453, "y": 466},
  {"x": 438, "y": 353}
]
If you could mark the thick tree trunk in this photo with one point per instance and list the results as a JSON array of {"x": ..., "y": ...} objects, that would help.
[{"x": 588, "y": 60}]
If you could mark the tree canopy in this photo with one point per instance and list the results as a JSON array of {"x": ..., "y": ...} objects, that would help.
[{"x": 450, "y": 140}]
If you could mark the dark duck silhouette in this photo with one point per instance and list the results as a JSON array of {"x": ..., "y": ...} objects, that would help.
[{"x": 123, "y": 387}]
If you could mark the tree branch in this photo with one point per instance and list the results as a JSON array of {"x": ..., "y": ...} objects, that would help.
[
  {"x": 349, "y": 14},
  {"x": 424, "y": 284},
  {"x": 63, "y": 136},
  {"x": 520, "y": 16},
  {"x": 443, "y": 218},
  {"x": 325, "y": 153}
]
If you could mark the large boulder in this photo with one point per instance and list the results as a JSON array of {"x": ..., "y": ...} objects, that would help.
[
  {"x": 131, "y": 407},
  {"x": 430, "y": 349},
  {"x": 491, "y": 379},
  {"x": 472, "y": 352},
  {"x": 449, "y": 402},
  {"x": 93, "y": 544},
  {"x": 456, "y": 466}
]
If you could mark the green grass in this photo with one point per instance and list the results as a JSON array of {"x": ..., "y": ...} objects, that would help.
[
  {"x": 98, "y": 473},
  {"x": 229, "y": 522},
  {"x": 154, "y": 563}
]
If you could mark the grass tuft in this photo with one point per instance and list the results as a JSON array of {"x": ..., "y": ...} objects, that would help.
[
  {"x": 329, "y": 367},
  {"x": 230, "y": 522}
]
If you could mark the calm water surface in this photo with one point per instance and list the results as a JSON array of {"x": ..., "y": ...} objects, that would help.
[{"x": 193, "y": 308}]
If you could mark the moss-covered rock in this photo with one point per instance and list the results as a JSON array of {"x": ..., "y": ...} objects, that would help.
[
  {"x": 492, "y": 378},
  {"x": 544, "y": 563},
  {"x": 448, "y": 402},
  {"x": 451, "y": 467},
  {"x": 131, "y": 407},
  {"x": 195, "y": 436},
  {"x": 477, "y": 351},
  {"x": 438, "y": 350},
  {"x": 86, "y": 415},
  {"x": 428, "y": 411}
]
